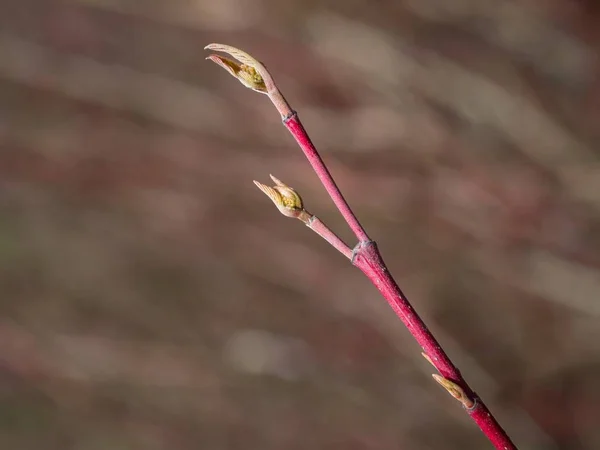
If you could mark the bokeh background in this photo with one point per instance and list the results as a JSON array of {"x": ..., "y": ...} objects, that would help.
[{"x": 152, "y": 298}]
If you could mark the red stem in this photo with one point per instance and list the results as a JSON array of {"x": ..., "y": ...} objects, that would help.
[
  {"x": 365, "y": 255},
  {"x": 293, "y": 124},
  {"x": 367, "y": 258}
]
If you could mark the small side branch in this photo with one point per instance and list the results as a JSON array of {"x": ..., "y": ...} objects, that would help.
[
  {"x": 290, "y": 204},
  {"x": 315, "y": 224}
]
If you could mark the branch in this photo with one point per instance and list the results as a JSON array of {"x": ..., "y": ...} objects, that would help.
[
  {"x": 365, "y": 255},
  {"x": 253, "y": 74},
  {"x": 290, "y": 204}
]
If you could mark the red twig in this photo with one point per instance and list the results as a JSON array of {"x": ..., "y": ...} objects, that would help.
[
  {"x": 368, "y": 259},
  {"x": 293, "y": 124},
  {"x": 365, "y": 255}
]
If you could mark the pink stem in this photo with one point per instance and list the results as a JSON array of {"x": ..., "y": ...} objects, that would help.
[
  {"x": 315, "y": 224},
  {"x": 293, "y": 124},
  {"x": 368, "y": 259}
]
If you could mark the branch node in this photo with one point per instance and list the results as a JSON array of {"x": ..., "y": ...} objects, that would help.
[{"x": 289, "y": 116}]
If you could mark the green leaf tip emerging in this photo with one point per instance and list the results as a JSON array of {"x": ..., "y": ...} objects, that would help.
[
  {"x": 246, "y": 70},
  {"x": 287, "y": 200}
]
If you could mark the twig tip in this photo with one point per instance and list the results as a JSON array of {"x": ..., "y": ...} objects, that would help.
[{"x": 245, "y": 68}]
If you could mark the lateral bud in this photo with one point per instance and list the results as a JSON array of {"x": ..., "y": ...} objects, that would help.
[
  {"x": 286, "y": 199},
  {"x": 454, "y": 390}
]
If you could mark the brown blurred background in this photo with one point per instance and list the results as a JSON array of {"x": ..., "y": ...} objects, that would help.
[{"x": 152, "y": 298}]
